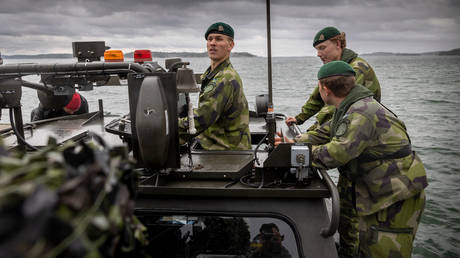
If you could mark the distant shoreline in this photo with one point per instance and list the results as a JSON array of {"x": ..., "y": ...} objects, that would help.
[
  {"x": 128, "y": 55},
  {"x": 453, "y": 52}
]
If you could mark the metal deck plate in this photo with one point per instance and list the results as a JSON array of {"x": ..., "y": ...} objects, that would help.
[
  {"x": 62, "y": 129},
  {"x": 215, "y": 165}
]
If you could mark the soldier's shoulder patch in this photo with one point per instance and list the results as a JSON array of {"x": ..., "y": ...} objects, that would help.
[
  {"x": 211, "y": 85},
  {"x": 342, "y": 128}
]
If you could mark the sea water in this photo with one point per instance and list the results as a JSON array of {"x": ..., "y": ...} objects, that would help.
[{"x": 424, "y": 91}]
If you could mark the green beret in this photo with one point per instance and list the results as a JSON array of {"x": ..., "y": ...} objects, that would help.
[
  {"x": 325, "y": 34},
  {"x": 335, "y": 68},
  {"x": 220, "y": 28}
]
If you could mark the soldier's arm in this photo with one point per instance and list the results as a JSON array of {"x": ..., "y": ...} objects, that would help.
[
  {"x": 311, "y": 107},
  {"x": 365, "y": 76},
  {"x": 211, "y": 107},
  {"x": 346, "y": 147},
  {"x": 320, "y": 135},
  {"x": 360, "y": 69}
]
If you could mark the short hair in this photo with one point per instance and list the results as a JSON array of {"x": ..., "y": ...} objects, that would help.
[
  {"x": 230, "y": 39},
  {"x": 268, "y": 228},
  {"x": 339, "y": 85},
  {"x": 340, "y": 38}
]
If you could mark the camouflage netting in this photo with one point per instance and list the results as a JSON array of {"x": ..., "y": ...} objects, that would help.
[{"x": 73, "y": 200}]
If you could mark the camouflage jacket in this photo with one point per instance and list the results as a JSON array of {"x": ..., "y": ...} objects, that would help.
[
  {"x": 364, "y": 76},
  {"x": 222, "y": 116},
  {"x": 370, "y": 146},
  {"x": 82, "y": 192}
]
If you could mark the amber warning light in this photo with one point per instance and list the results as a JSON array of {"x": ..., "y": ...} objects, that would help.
[
  {"x": 142, "y": 55},
  {"x": 113, "y": 56}
]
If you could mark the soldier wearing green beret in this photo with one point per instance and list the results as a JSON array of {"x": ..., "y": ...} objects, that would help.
[
  {"x": 222, "y": 117},
  {"x": 371, "y": 149},
  {"x": 330, "y": 44}
]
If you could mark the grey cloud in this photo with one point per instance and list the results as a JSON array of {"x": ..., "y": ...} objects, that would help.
[{"x": 51, "y": 25}]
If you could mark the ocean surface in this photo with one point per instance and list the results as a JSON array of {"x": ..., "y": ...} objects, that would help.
[{"x": 424, "y": 91}]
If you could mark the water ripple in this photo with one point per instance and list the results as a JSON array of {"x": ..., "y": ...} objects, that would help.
[{"x": 423, "y": 90}]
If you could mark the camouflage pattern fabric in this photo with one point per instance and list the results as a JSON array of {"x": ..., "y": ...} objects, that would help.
[
  {"x": 365, "y": 76},
  {"x": 222, "y": 116},
  {"x": 348, "y": 223},
  {"x": 367, "y": 129},
  {"x": 391, "y": 231},
  {"x": 74, "y": 200},
  {"x": 321, "y": 135}
]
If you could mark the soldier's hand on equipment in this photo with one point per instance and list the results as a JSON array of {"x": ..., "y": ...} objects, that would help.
[
  {"x": 291, "y": 120},
  {"x": 281, "y": 139}
]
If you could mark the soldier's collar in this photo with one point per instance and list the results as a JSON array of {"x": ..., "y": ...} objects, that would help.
[
  {"x": 220, "y": 67},
  {"x": 348, "y": 55},
  {"x": 358, "y": 92}
]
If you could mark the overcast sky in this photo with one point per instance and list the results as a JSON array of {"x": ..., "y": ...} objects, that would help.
[{"x": 49, "y": 26}]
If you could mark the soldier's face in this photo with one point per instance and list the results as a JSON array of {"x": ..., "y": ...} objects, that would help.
[
  {"x": 219, "y": 46},
  {"x": 329, "y": 51}
]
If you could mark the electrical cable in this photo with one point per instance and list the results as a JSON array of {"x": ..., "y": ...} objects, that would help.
[
  {"x": 16, "y": 132},
  {"x": 262, "y": 181},
  {"x": 246, "y": 183}
]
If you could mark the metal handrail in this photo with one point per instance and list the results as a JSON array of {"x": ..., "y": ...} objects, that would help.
[
  {"x": 335, "y": 214},
  {"x": 76, "y": 68},
  {"x": 295, "y": 130}
]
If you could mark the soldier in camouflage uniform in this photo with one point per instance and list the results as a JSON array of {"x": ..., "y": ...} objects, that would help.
[
  {"x": 330, "y": 44},
  {"x": 372, "y": 150},
  {"x": 222, "y": 116}
]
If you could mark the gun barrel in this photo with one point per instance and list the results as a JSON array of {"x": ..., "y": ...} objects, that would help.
[
  {"x": 37, "y": 86},
  {"x": 77, "y": 68}
]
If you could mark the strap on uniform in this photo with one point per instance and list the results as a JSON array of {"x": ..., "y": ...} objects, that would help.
[
  {"x": 401, "y": 153},
  {"x": 350, "y": 170}
]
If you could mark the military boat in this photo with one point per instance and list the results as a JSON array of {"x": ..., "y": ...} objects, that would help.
[{"x": 264, "y": 202}]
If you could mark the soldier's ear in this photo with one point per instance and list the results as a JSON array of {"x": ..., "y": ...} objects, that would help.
[
  {"x": 326, "y": 90},
  {"x": 231, "y": 45},
  {"x": 339, "y": 44}
]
